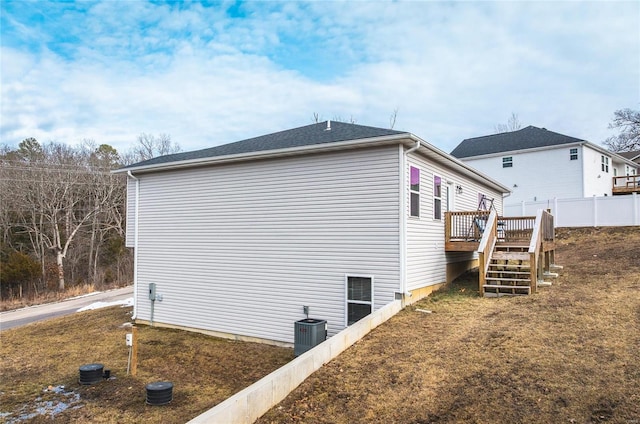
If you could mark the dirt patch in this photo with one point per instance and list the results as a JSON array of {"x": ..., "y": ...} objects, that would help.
[
  {"x": 40, "y": 370},
  {"x": 570, "y": 353}
]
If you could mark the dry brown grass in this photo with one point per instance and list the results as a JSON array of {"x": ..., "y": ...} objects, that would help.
[
  {"x": 568, "y": 354},
  {"x": 204, "y": 370}
]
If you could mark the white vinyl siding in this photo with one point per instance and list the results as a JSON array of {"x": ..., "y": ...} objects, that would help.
[
  {"x": 241, "y": 248},
  {"x": 426, "y": 258},
  {"x": 596, "y": 181},
  {"x": 130, "y": 220},
  {"x": 541, "y": 174}
]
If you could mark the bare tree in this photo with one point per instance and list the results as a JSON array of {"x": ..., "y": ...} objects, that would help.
[
  {"x": 150, "y": 146},
  {"x": 628, "y": 122},
  {"x": 513, "y": 124},
  {"x": 392, "y": 118},
  {"x": 338, "y": 118},
  {"x": 316, "y": 118}
]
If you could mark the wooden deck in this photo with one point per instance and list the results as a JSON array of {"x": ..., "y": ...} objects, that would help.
[
  {"x": 514, "y": 253},
  {"x": 627, "y": 184},
  {"x": 464, "y": 230}
]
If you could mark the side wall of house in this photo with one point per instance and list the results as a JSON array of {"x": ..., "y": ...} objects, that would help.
[
  {"x": 597, "y": 182},
  {"x": 426, "y": 258},
  {"x": 537, "y": 175},
  {"x": 241, "y": 248}
]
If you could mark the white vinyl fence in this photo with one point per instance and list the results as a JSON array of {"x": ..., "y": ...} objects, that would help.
[{"x": 608, "y": 211}]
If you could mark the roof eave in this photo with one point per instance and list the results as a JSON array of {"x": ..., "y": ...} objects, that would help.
[{"x": 267, "y": 154}]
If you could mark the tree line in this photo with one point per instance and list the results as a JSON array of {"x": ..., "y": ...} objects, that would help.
[{"x": 62, "y": 214}]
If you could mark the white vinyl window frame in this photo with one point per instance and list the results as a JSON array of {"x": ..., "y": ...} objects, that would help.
[
  {"x": 414, "y": 191},
  {"x": 573, "y": 153},
  {"x": 348, "y": 301},
  {"x": 507, "y": 162},
  {"x": 604, "y": 163},
  {"x": 437, "y": 197}
]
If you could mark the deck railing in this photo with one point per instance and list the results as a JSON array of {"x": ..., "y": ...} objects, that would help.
[
  {"x": 465, "y": 226},
  {"x": 470, "y": 226},
  {"x": 626, "y": 184}
]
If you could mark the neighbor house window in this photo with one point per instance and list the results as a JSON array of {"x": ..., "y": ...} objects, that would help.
[
  {"x": 507, "y": 162},
  {"x": 359, "y": 298},
  {"x": 415, "y": 191},
  {"x": 573, "y": 154},
  {"x": 604, "y": 163},
  {"x": 437, "y": 197}
]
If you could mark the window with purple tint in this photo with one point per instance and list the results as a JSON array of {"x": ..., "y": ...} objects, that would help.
[
  {"x": 414, "y": 191},
  {"x": 437, "y": 197}
]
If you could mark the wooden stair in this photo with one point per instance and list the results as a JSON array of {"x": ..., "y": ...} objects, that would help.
[{"x": 509, "y": 272}]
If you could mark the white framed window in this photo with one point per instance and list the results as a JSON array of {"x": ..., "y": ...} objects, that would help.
[
  {"x": 604, "y": 163},
  {"x": 573, "y": 154},
  {"x": 359, "y": 297},
  {"x": 414, "y": 191},
  {"x": 507, "y": 162},
  {"x": 437, "y": 197}
]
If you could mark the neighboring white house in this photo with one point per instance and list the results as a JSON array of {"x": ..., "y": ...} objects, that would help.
[
  {"x": 338, "y": 217},
  {"x": 537, "y": 164}
]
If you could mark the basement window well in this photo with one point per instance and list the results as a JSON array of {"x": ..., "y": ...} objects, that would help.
[{"x": 359, "y": 297}]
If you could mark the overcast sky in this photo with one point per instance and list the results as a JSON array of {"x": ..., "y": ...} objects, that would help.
[{"x": 209, "y": 74}]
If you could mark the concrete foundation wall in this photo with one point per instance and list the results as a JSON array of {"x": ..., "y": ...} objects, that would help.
[{"x": 251, "y": 403}]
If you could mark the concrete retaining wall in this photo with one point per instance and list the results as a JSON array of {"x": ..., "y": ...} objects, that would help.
[{"x": 251, "y": 403}]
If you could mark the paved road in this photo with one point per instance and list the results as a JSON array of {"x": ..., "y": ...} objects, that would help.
[{"x": 18, "y": 317}]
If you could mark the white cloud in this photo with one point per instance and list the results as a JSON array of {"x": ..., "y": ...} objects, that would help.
[{"x": 453, "y": 70}]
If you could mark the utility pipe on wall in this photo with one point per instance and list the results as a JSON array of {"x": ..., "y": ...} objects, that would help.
[{"x": 135, "y": 246}]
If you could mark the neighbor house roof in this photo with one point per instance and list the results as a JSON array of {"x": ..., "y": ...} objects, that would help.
[
  {"x": 634, "y": 156},
  {"x": 320, "y": 133},
  {"x": 527, "y": 138}
]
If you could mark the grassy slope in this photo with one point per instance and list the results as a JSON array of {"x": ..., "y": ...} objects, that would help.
[{"x": 568, "y": 354}]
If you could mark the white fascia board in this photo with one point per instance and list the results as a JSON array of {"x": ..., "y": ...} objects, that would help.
[
  {"x": 457, "y": 165},
  {"x": 601, "y": 150},
  {"x": 521, "y": 151},
  {"x": 268, "y": 154}
]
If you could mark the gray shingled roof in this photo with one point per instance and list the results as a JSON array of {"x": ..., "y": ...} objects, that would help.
[
  {"x": 527, "y": 138},
  {"x": 630, "y": 155},
  {"x": 296, "y": 137}
]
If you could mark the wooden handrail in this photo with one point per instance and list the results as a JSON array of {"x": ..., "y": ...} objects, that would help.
[
  {"x": 485, "y": 248},
  {"x": 543, "y": 226}
]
